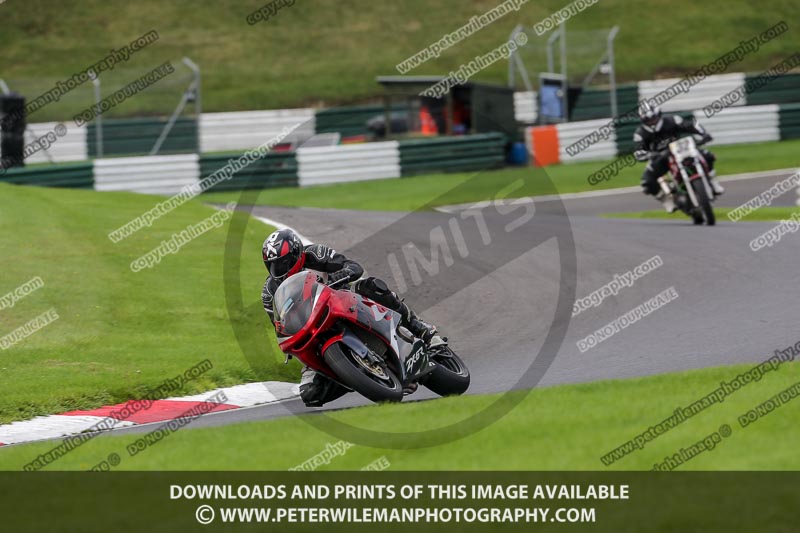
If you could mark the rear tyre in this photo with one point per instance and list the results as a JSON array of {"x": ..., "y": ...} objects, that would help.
[
  {"x": 378, "y": 384},
  {"x": 703, "y": 200},
  {"x": 450, "y": 377}
]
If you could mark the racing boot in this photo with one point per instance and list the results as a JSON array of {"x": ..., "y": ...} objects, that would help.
[
  {"x": 316, "y": 389},
  {"x": 715, "y": 186},
  {"x": 666, "y": 201},
  {"x": 418, "y": 328},
  {"x": 411, "y": 388}
]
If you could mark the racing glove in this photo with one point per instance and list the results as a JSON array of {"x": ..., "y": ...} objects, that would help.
[{"x": 339, "y": 278}]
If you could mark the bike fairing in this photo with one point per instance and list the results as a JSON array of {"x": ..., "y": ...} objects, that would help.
[
  {"x": 312, "y": 317},
  {"x": 284, "y": 255}
]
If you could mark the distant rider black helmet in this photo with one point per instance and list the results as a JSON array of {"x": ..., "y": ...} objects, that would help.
[
  {"x": 283, "y": 254},
  {"x": 649, "y": 114}
]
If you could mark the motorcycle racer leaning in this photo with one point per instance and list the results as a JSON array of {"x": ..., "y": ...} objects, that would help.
[
  {"x": 284, "y": 255},
  {"x": 651, "y": 141}
]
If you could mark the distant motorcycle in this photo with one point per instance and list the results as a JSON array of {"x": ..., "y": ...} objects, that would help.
[
  {"x": 357, "y": 342},
  {"x": 689, "y": 184}
]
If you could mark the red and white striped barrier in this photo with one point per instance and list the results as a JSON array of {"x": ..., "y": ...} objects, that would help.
[{"x": 131, "y": 414}]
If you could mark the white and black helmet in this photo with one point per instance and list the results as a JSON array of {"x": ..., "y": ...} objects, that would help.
[
  {"x": 283, "y": 253},
  {"x": 649, "y": 114}
]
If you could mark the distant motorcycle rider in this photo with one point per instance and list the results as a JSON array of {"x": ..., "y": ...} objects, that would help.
[
  {"x": 284, "y": 255},
  {"x": 651, "y": 141}
]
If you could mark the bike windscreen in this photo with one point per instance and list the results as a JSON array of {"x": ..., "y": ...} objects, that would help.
[{"x": 294, "y": 302}]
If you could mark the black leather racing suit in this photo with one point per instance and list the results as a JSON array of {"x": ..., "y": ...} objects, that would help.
[{"x": 652, "y": 142}]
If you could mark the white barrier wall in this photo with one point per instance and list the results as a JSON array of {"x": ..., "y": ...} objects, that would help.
[
  {"x": 698, "y": 96},
  {"x": 349, "y": 162},
  {"x": 158, "y": 174},
  {"x": 243, "y": 130},
  {"x": 734, "y": 125},
  {"x": 71, "y": 146},
  {"x": 742, "y": 124},
  {"x": 570, "y": 132}
]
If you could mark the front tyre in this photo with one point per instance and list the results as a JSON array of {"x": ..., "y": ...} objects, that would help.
[
  {"x": 376, "y": 383},
  {"x": 450, "y": 377},
  {"x": 704, "y": 202}
]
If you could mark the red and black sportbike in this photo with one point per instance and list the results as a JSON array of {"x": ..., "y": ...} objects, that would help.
[{"x": 359, "y": 343}]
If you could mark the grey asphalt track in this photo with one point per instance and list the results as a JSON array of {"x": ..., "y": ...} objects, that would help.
[{"x": 734, "y": 305}]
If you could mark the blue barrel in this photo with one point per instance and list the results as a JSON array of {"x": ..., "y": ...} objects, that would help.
[{"x": 518, "y": 154}]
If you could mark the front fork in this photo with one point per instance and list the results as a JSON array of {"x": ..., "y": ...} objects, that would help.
[
  {"x": 664, "y": 184},
  {"x": 687, "y": 184}
]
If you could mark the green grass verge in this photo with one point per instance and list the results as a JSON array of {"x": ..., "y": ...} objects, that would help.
[
  {"x": 555, "y": 428},
  {"x": 408, "y": 194},
  {"x": 330, "y": 51},
  {"x": 760, "y": 215},
  {"x": 119, "y": 332}
]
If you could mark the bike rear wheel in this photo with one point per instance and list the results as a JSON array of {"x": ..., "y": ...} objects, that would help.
[{"x": 450, "y": 377}]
